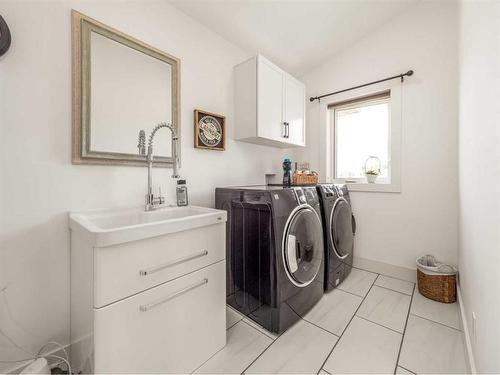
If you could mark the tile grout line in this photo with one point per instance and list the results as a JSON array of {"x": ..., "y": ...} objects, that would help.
[
  {"x": 267, "y": 347},
  {"x": 331, "y": 333},
  {"x": 347, "y": 326},
  {"x": 357, "y": 295},
  {"x": 273, "y": 340},
  {"x": 227, "y": 329},
  {"x": 351, "y": 293},
  {"x": 404, "y": 331},
  {"x": 217, "y": 352},
  {"x": 361, "y": 269},
  {"x": 258, "y": 330},
  {"x": 389, "y": 276},
  {"x": 433, "y": 321},
  {"x": 256, "y": 358},
  {"x": 405, "y": 369},
  {"x": 392, "y": 290},
  {"x": 254, "y": 328},
  {"x": 305, "y": 320},
  {"x": 232, "y": 325},
  {"x": 380, "y": 325},
  {"x": 317, "y": 326}
]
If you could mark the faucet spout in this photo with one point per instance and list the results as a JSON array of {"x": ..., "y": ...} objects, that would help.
[
  {"x": 175, "y": 140},
  {"x": 153, "y": 202}
]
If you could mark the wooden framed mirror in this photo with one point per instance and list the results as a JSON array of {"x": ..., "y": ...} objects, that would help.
[{"x": 120, "y": 86}]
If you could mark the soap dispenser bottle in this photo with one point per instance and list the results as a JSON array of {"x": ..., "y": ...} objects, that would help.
[
  {"x": 182, "y": 193},
  {"x": 287, "y": 178}
]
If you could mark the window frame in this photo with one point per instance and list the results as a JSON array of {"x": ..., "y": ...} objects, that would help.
[
  {"x": 377, "y": 98},
  {"x": 327, "y": 150}
]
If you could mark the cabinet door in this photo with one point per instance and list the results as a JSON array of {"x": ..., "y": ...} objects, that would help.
[
  {"x": 171, "y": 328},
  {"x": 270, "y": 101},
  {"x": 295, "y": 111}
]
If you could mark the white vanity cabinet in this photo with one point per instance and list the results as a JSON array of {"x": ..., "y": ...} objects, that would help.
[
  {"x": 269, "y": 105},
  {"x": 147, "y": 290}
]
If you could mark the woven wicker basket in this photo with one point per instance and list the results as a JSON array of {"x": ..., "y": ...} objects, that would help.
[
  {"x": 441, "y": 288},
  {"x": 311, "y": 178}
]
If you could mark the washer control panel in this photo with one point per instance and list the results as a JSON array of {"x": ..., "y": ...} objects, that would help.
[{"x": 301, "y": 198}]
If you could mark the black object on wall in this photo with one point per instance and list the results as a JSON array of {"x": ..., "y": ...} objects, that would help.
[
  {"x": 5, "y": 38},
  {"x": 402, "y": 75}
]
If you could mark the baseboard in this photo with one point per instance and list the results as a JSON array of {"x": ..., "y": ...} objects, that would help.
[
  {"x": 471, "y": 363},
  {"x": 391, "y": 270}
]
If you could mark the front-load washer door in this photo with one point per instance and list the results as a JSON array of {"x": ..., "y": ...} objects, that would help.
[
  {"x": 303, "y": 245},
  {"x": 341, "y": 235}
]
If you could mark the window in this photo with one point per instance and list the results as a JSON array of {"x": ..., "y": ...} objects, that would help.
[
  {"x": 355, "y": 125},
  {"x": 361, "y": 138}
]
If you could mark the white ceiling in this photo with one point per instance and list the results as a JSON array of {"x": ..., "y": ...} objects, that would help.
[{"x": 295, "y": 34}]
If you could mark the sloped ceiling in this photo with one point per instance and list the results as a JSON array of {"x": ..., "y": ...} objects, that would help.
[{"x": 297, "y": 35}]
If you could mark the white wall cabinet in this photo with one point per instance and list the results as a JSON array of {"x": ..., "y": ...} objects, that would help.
[{"x": 269, "y": 105}]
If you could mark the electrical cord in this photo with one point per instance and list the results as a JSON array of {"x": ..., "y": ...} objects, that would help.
[
  {"x": 56, "y": 344},
  {"x": 61, "y": 359},
  {"x": 43, "y": 356},
  {"x": 17, "y": 360},
  {"x": 39, "y": 355}
]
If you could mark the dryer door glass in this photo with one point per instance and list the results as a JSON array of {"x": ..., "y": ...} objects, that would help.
[
  {"x": 341, "y": 227},
  {"x": 303, "y": 251}
]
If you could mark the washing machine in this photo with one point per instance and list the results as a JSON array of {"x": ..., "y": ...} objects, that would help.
[
  {"x": 339, "y": 228},
  {"x": 274, "y": 252}
]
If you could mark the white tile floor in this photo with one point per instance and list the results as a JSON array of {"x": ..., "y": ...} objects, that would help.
[{"x": 370, "y": 324}]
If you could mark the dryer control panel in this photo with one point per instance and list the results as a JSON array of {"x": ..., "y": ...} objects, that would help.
[{"x": 329, "y": 190}]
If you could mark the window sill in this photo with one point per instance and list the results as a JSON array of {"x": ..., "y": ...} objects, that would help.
[{"x": 376, "y": 188}]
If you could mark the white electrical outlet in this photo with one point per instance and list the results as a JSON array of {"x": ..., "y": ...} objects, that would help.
[{"x": 474, "y": 330}]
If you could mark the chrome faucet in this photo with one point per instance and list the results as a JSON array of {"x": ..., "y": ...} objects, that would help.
[{"x": 152, "y": 202}]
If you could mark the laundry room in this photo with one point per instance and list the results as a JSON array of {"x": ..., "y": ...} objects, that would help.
[{"x": 249, "y": 186}]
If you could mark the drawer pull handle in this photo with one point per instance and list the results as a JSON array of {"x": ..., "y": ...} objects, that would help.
[
  {"x": 173, "y": 263},
  {"x": 152, "y": 305}
]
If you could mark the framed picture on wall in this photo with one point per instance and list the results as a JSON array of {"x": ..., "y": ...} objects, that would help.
[{"x": 209, "y": 130}]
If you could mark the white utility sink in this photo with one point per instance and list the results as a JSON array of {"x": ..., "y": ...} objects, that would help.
[
  {"x": 114, "y": 226},
  {"x": 141, "y": 281}
]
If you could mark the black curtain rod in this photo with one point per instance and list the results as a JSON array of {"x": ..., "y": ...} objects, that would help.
[{"x": 402, "y": 75}]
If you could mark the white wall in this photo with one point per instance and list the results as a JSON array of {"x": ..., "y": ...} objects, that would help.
[
  {"x": 479, "y": 171},
  {"x": 39, "y": 185},
  {"x": 397, "y": 227}
]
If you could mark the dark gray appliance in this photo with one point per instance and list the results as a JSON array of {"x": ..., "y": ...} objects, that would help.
[
  {"x": 275, "y": 251},
  {"x": 339, "y": 228}
]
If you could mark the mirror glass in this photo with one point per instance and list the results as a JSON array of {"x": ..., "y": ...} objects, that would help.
[
  {"x": 130, "y": 91},
  {"x": 120, "y": 87}
]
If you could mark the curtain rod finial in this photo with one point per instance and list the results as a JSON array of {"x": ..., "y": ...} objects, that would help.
[
  {"x": 409, "y": 73},
  {"x": 311, "y": 99}
]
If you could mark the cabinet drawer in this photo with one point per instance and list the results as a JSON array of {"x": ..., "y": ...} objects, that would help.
[
  {"x": 126, "y": 269},
  {"x": 172, "y": 328}
]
